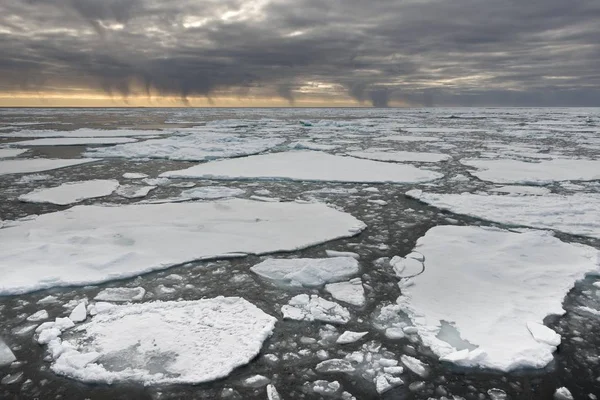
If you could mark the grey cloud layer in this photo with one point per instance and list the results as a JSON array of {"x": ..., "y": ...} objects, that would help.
[{"x": 431, "y": 52}]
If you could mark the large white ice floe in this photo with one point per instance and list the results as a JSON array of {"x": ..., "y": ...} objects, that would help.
[
  {"x": 92, "y": 244},
  {"x": 306, "y": 166},
  {"x": 82, "y": 133},
  {"x": 163, "y": 342},
  {"x": 8, "y": 153},
  {"x": 73, "y": 141},
  {"x": 577, "y": 214},
  {"x": 72, "y": 192},
  {"x": 400, "y": 156},
  {"x": 24, "y": 165},
  {"x": 493, "y": 288},
  {"x": 514, "y": 171},
  {"x": 314, "y": 308},
  {"x": 190, "y": 147},
  {"x": 306, "y": 272}
]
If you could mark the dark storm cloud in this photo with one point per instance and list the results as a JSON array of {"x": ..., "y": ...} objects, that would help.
[{"x": 429, "y": 52}]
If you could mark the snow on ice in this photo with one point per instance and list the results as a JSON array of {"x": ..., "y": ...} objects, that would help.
[
  {"x": 494, "y": 287},
  {"x": 93, "y": 244},
  {"x": 307, "y": 272},
  {"x": 306, "y": 166},
  {"x": 163, "y": 342},
  {"x": 577, "y": 214},
  {"x": 71, "y": 192}
]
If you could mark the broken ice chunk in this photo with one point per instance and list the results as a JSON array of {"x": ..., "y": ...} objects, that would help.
[
  {"x": 350, "y": 337},
  {"x": 306, "y": 272},
  {"x": 315, "y": 308},
  {"x": 543, "y": 334},
  {"x": 119, "y": 295},
  {"x": 415, "y": 365},
  {"x": 351, "y": 292},
  {"x": 79, "y": 313},
  {"x": 6, "y": 354}
]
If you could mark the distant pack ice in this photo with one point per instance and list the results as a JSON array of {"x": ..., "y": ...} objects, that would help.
[
  {"x": 92, "y": 244},
  {"x": 307, "y": 166},
  {"x": 483, "y": 296}
]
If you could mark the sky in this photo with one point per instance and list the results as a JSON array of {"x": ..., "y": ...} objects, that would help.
[{"x": 381, "y": 53}]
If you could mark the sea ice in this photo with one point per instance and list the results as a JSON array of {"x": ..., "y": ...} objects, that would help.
[
  {"x": 134, "y": 175},
  {"x": 38, "y": 316},
  {"x": 493, "y": 286},
  {"x": 306, "y": 166},
  {"x": 562, "y": 393},
  {"x": 315, "y": 308},
  {"x": 272, "y": 393},
  {"x": 121, "y": 294},
  {"x": 71, "y": 192},
  {"x": 164, "y": 342},
  {"x": 577, "y": 214},
  {"x": 350, "y": 337},
  {"x": 547, "y": 171},
  {"x": 8, "y": 153},
  {"x": 522, "y": 190},
  {"x": 190, "y": 147},
  {"x": 351, "y": 292},
  {"x": 415, "y": 365},
  {"x": 6, "y": 354},
  {"x": 306, "y": 272},
  {"x": 83, "y": 133},
  {"x": 407, "y": 138},
  {"x": 400, "y": 156},
  {"x": 93, "y": 244},
  {"x": 27, "y": 165},
  {"x": 211, "y": 192},
  {"x": 134, "y": 191},
  {"x": 73, "y": 141}
]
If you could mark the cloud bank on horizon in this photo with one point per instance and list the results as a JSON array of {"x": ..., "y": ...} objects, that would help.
[{"x": 420, "y": 52}]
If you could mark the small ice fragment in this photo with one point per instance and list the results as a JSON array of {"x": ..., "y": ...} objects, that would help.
[
  {"x": 335, "y": 365},
  {"x": 79, "y": 313},
  {"x": 272, "y": 393},
  {"x": 351, "y": 292},
  {"x": 497, "y": 394},
  {"x": 6, "y": 354},
  {"x": 334, "y": 253},
  {"x": 12, "y": 378},
  {"x": 38, "y": 316},
  {"x": 47, "y": 300},
  {"x": 118, "y": 295},
  {"x": 415, "y": 365},
  {"x": 350, "y": 337},
  {"x": 255, "y": 381},
  {"x": 134, "y": 175},
  {"x": 563, "y": 393},
  {"x": 315, "y": 308}
]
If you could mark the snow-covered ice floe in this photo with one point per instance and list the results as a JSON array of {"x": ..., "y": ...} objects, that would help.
[
  {"x": 314, "y": 308},
  {"x": 190, "y": 147},
  {"x": 83, "y": 133},
  {"x": 73, "y": 141},
  {"x": 307, "y": 272},
  {"x": 306, "y": 166},
  {"x": 513, "y": 171},
  {"x": 577, "y": 214},
  {"x": 485, "y": 292},
  {"x": 23, "y": 166},
  {"x": 8, "y": 153},
  {"x": 400, "y": 156},
  {"x": 92, "y": 244},
  {"x": 71, "y": 192},
  {"x": 163, "y": 342}
]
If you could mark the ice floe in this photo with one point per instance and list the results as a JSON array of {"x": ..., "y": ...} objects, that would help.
[
  {"x": 163, "y": 342},
  {"x": 190, "y": 147},
  {"x": 6, "y": 354},
  {"x": 71, "y": 192},
  {"x": 119, "y": 295},
  {"x": 306, "y": 166},
  {"x": 493, "y": 286},
  {"x": 23, "y": 166},
  {"x": 134, "y": 191},
  {"x": 350, "y": 337},
  {"x": 308, "y": 272},
  {"x": 8, "y": 153},
  {"x": 92, "y": 244},
  {"x": 82, "y": 133},
  {"x": 211, "y": 193},
  {"x": 73, "y": 141},
  {"x": 400, "y": 156},
  {"x": 514, "y": 171},
  {"x": 522, "y": 190},
  {"x": 577, "y": 214},
  {"x": 351, "y": 292},
  {"x": 314, "y": 308},
  {"x": 134, "y": 175}
]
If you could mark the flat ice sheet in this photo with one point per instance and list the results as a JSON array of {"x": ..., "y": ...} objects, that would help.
[
  {"x": 306, "y": 166},
  {"x": 75, "y": 141},
  {"x": 307, "y": 272},
  {"x": 577, "y": 214},
  {"x": 400, "y": 156},
  {"x": 71, "y": 192},
  {"x": 164, "y": 342},
  {"x": 91, "y": 244},
  {"x": 492, "y": 286},
  {"x": 23, "y": 166},
  {"x": 83, "y": 133},
  {"x": 8, "y": 153},
  {"x": 547, "y": 171},
  {"x": 190, "y": 147}
]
